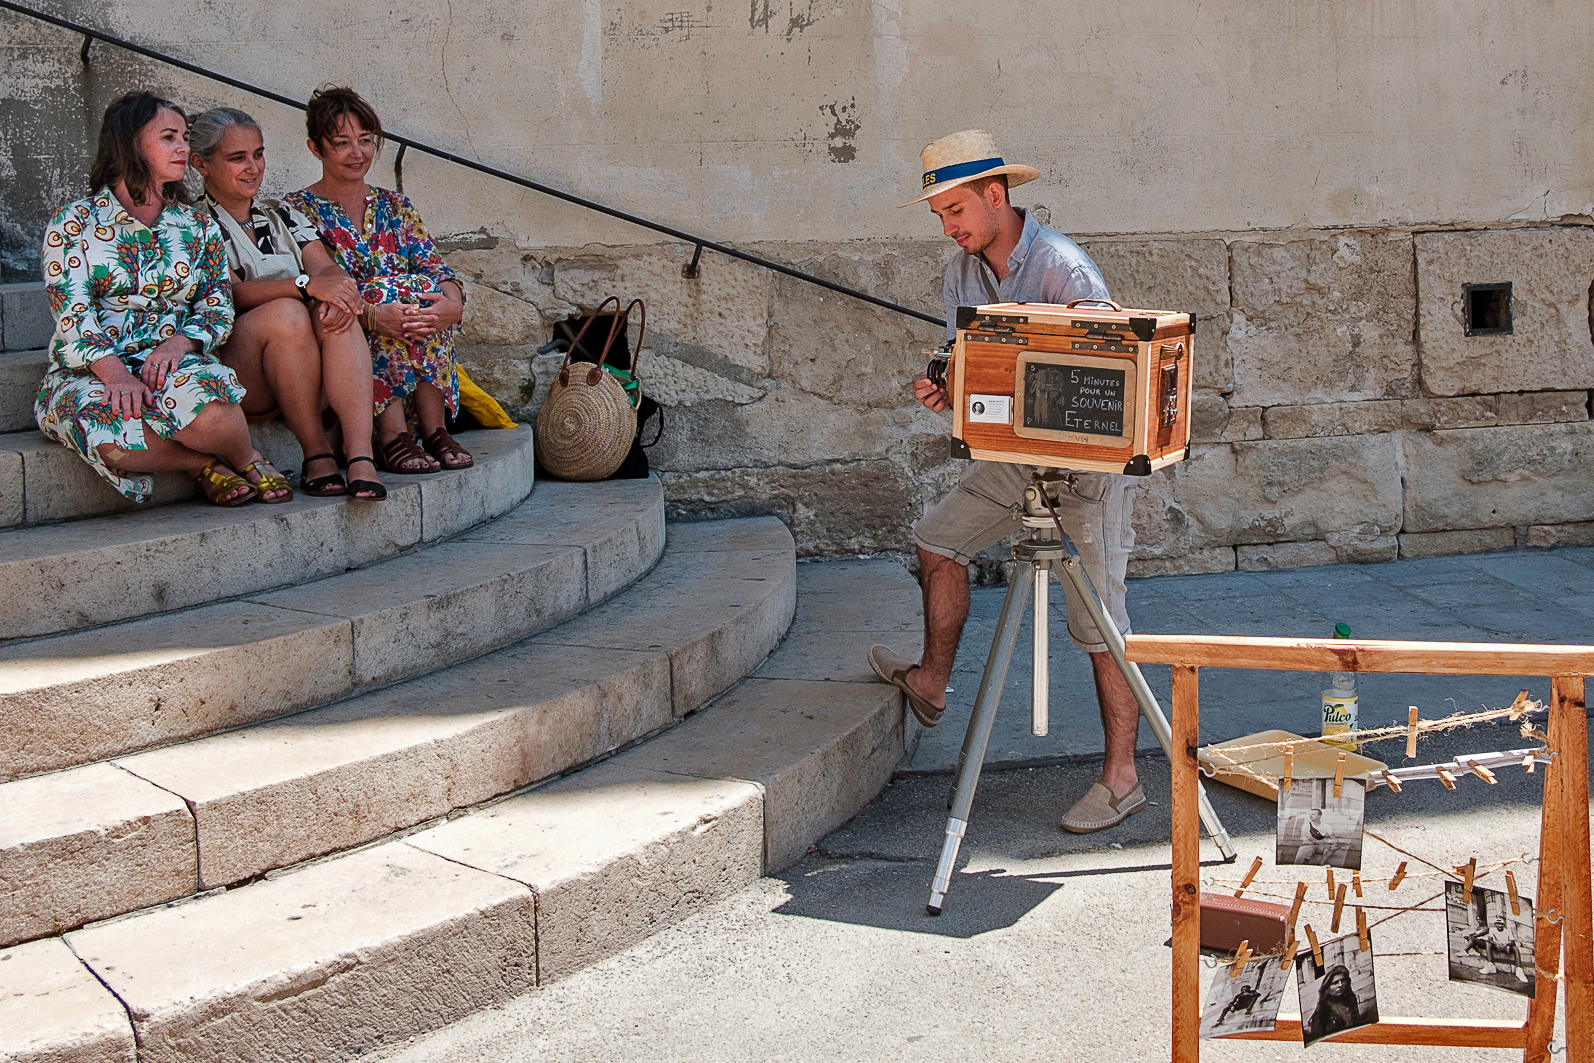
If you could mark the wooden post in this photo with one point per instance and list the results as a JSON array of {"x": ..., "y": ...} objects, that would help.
[
  {"x": 1546, "y": 935},
  {"x": 1186, "y": 867},
  {"x": 1577, "y": 936}
]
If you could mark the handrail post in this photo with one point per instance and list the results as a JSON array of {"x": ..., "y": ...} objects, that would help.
[
  {"x": 83, "y": 53},
  {"x": 689, "y": 271}
]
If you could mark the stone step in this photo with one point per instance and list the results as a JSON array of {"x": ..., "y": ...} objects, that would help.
[
  {"x": 104, "y": 569},
  {"x": 335, "y": 958},
  {"x": 25, "y": 321},
  {"x": 88, "y": 695},
  {"x": 20, "y": 375},
  {"x": 81, "y": 844}
]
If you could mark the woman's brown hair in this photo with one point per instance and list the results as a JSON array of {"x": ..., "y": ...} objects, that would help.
[
  {"x": 118, "y": 158},
  {"x": 330, "y": 105}
]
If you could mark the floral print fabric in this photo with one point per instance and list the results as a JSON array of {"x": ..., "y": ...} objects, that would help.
[
  {"x": 392, "y": 259},
  {"x": 118, "y": 287}
]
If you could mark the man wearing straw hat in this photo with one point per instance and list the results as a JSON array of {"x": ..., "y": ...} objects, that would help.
[{"x": 1009, "y": 257}]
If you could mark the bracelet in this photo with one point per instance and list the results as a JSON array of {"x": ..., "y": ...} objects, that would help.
[{"x": 368, "y": 318}]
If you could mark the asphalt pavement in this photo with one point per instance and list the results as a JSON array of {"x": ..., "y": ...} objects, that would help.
[{"x": 1051, "y": 945}]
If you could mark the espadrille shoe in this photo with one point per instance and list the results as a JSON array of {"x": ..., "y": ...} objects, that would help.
[{"x": 1099, "y": 809}]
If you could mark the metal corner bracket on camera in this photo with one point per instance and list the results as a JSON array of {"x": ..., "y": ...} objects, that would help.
[{"x": 1047, "y": 550}]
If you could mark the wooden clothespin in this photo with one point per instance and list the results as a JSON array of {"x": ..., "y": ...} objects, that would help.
[
  {"x": 1290, "y": 947},
  {"x": 1242, "y": 956},
  {"x": 1339, "y": 907},
  {"x": 1287, "y": 778},
  {"x": 1356, "y": 882},
  {"x": 1528, "y": 763},
  {"x": 1520, "y": 705},
  {"x": 1511, "y": 889},
  {"x": 1361, "y": 929},
  {"x": 1256, "y": 865},
  {"x": 1481, "y": 772},
  {"x": 1339, "y": 774},
  {"x": 1392, "y": 782},
  {"x": 1330, "y": 883},
  {"x": 1317, "y": 953},
  {"x": 1400, "y": 873},
  {"x": 1295, "y": 909},
  {"x": 1448, "y": 779},
  {"x": 1411, "y": 732},
  {"x": 1467, "y": 871}
]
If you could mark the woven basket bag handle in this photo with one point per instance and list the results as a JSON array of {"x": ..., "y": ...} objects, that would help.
[{"x": 595, "y": 374}]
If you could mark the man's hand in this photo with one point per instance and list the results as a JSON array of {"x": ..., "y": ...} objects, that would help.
[{"x": 934, "y": 398}]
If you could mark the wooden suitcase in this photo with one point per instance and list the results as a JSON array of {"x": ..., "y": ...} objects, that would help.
[{"x": 1093, "y": 387}]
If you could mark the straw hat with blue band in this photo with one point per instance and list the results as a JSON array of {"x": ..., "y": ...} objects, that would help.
[{"x": 963, "y": 157}]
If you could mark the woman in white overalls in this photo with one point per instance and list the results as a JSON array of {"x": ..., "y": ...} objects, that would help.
[{"x": 296, "y": 344}]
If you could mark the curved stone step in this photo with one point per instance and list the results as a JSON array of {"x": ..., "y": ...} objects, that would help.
[
  {"x": 21, "y": 372},
  {"x": 338, "y": 957},
  {"x": 87, "y": 695},
  {"x": 104, "y": 569},
  {"x": 274, "y": 794}
]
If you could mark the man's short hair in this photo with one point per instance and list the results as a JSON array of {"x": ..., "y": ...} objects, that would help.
[{"x": 980, "y": 184}]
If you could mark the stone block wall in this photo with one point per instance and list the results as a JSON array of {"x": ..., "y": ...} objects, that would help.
[{"x": 1341, "y": 414}]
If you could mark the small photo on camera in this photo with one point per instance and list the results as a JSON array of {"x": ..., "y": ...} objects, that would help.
[{"x": 1315, "y": 827}]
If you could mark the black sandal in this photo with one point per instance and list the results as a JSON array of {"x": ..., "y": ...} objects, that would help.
[
  {"x": 322, "y": 486},
  {"x": 366, "y": 490}
]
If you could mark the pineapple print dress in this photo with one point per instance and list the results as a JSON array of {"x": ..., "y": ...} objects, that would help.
[{"x": 117, "y": 287}]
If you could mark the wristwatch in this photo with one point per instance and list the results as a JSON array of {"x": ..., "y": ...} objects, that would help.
[{"x": 302, "y": 282}]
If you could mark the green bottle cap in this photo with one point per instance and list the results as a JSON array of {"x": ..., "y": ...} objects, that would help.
[{"x": 1342, "y": 631}]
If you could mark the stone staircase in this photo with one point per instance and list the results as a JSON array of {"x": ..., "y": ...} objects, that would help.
[{"x": 281, "y": 783}]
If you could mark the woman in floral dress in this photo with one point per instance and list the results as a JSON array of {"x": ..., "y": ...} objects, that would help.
[
  {"x": 416, "y": 299},
  {"x": 137, "y": 282}
]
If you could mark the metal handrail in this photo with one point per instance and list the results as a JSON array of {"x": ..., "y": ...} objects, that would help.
[{"x": 405, "y": 143}]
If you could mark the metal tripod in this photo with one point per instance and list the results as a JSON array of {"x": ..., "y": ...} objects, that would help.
[{"x": 1043, "y": 553}]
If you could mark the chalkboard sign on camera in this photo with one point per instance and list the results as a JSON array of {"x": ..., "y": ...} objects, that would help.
[
  {"x": 1074, "y": 398},
  {"x": 1091, "y": 385}
]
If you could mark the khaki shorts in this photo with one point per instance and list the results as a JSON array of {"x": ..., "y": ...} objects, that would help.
[{"x": 988, "y": 506}]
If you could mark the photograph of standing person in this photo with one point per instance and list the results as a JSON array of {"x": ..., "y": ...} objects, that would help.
[
  {"x": 1488, "y": 943},
  {"x": 1339, "y": 994},
  {"x": 377, "y": 236},
  {"x": 1315, "y": 827}
]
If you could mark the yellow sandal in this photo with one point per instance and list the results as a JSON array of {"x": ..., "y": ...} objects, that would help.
[
  {"x": 218, "y": 487},
  {"x": 269, "y": 481}
]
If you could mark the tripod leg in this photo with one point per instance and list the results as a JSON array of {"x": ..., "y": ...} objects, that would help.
[
  {"x": 1075, "y": 571},
  {"x": 978, "y": 736},
  {"x": 1040, "y": 673}
]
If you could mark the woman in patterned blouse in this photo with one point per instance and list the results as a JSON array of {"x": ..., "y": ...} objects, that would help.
[
  {"x": 296, "y": 345},
  {"x": 137, "y": 282},
  {"x": 377, "y": 236}
]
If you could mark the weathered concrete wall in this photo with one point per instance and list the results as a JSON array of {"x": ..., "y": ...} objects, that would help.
[
  {"x": 1318, "y": 180},
  {"x": 1317, "y": 437}
]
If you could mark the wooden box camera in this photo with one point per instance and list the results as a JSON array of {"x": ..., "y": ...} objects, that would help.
[{"x": 1098, "y": 388}]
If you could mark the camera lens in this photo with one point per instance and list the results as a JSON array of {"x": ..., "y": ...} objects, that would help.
[{"x": 935, "y": 372}]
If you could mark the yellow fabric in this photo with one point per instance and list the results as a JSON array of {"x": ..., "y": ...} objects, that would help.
[{"x": 481, "y": 405}]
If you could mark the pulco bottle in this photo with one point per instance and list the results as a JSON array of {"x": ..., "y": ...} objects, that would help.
[{"x": 1339, "y": 700}]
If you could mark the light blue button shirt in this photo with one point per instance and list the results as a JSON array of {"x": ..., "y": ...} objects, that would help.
[{"x": 1045, "y": 267}]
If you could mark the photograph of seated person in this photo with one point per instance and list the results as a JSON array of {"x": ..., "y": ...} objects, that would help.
[
  {"x": 136, "y": 280},
  {"x": 1007, "y": 256},
  {"x": 377, "y": 237},
  {"x": 296, "y": 343}
]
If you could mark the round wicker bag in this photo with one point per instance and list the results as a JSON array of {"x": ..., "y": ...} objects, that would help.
[{"x": 587, "y": 425}]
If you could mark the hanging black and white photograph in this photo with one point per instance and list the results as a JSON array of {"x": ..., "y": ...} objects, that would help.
[
  {"x": 1315, "y": 827},
  {"x": 1247, "y": 1001},
  {"x": 1488, "y": 942},
  {"x": 1339, "y": 993}
]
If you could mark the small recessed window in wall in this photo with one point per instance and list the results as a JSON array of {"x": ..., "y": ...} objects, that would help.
[{"x": 1487, "y": 308}]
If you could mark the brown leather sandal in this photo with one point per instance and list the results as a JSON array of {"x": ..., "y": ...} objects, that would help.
[
  {"x": 447, "y": 451},
  {"x": 400, "y": 449}
]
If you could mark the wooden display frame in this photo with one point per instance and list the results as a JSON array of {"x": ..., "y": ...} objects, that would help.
[{"x": 1564, "y": 885}]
